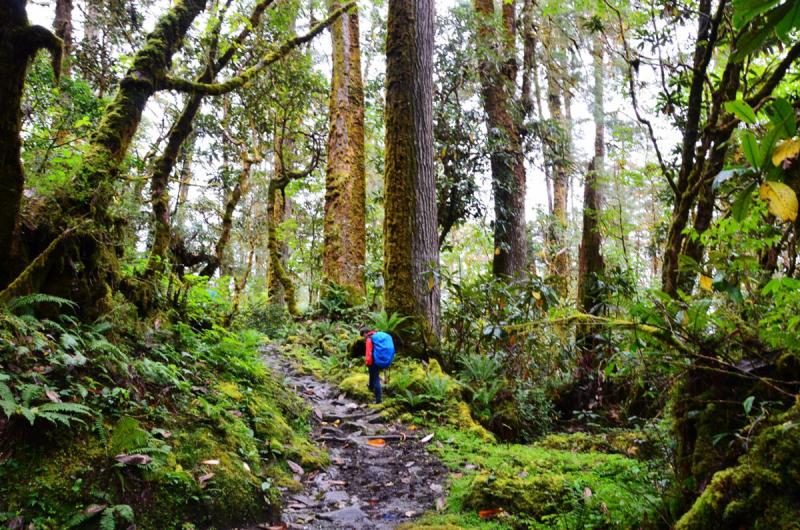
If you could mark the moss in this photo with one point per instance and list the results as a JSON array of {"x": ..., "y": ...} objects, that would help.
[
  {"x": 127, "y": 435},
  {"x": 230, "y": 389},
  {"x": 634, "y": 444},
  {"x": 762, "y": 491},
  {"x": 356, "y": 386},
  {"x": 533, "y": 497}
]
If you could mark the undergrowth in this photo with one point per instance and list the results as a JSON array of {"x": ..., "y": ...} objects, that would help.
[{"x": 115, "y": 423}]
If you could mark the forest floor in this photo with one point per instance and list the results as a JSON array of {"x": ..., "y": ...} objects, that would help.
[{"x": 381, "y": 473}]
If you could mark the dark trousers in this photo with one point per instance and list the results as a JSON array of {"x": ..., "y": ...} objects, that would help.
[{"x": 375, "y": 382}]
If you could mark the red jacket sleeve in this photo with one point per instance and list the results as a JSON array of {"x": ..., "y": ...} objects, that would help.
[{"x": 368, "y": 342}]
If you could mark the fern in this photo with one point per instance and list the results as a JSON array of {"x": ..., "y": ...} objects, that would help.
[
  {"x": 64, "y": 413},
  {"x": 30, "y": 300},
  {"x": 384, "y": 322},
  {"x": 7, "y": 401}
]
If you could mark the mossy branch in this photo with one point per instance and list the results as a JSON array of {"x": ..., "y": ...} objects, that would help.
[
  {"x": 35, "y": 38},
  {"x": 218, "y": 89}
]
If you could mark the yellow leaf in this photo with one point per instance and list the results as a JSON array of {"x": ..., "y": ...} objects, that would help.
[
  {"x": 537, "y": 295},
  {"x": 431, "y": 282},
  {"x": 377, "y": 442},
  {"x": 785, "y": 149},
  {"x": 780, "y": 198},
  {"x": 497, "y": 251},
  {"x": 705, "y": 283}
]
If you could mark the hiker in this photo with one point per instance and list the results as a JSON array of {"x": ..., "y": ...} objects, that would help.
[{"x": 378, "y": 349}]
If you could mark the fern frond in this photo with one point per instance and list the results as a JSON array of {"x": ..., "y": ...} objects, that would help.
[{"x": 30, "y": 300}]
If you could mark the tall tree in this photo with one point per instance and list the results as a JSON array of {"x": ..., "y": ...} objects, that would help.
[
  {"x": 590, "y": 260},
  {"x": 557, "y": 154},
  {"x": 344, "y": 253},
  {"x": 498, "y": 73},
  {"x": 411, "y": 251}
]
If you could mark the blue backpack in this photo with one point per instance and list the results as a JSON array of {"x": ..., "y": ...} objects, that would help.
[{"x": 382, "y": 349}]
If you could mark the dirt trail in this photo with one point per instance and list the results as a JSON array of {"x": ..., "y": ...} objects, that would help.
[{"x": 365, "y": 487}]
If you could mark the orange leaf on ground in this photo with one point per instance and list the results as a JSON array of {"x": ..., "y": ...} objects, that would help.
[
  {"x": 491, "y": 514},
  {"x": 377, "y": 442}
]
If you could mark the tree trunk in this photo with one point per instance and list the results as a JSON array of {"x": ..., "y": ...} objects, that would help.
[
  {"x": 344, "y": 254},
  {"x": 557, "y": 157},
  {"x": 62, "y": 24},
  {"x": 19, "y": 42},
  {"x": 498, "y": 84},
  {"x": 281, "y": 288},
  {"x": 411, "y": 253},
  {"x": 590, "y": 260}
]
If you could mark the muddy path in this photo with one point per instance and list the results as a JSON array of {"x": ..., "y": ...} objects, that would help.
[{"x": 369, "y": 484}]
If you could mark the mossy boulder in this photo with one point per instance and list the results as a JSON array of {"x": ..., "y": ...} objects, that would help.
[
  {"x": 355, "y": 386},
  {"x": 528, "y": 496},
  {"x": 762, "y": 491}
]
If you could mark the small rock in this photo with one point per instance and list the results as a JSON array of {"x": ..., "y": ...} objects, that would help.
[{"x": 349, "y": 515}]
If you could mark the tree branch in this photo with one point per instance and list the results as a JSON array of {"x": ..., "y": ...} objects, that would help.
[{"x": 217, "y": 89}]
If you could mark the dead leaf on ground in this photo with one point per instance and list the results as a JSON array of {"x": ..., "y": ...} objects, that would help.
[
  {"x": 587, "y": 492},
  {"x": 295, "y": 467},
  {"x": 52, "y": 396},
  {"x": 213, "y": 462},
  {"x": 202, "y": 479},
  {"x": 95, "y": 508},
  {"x": 133, "y": 460},
  {"x": 376, "y": 442},
  {"x": 427, "y": 439}
]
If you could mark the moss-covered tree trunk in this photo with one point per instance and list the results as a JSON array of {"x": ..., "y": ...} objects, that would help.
[
  {"x": 498, "y": 83},
  {"x": 557, "y": 157},
  {"x": 19, "y": 42},
  {"x": 62, "y": 24},
  {"x": 590, "y": 260},
  {"x": 279, "y": 283},
  {"x": 344, "y": 252},
  {"x": 99, "y": 250},
  {"x": 411, "y": 252}
]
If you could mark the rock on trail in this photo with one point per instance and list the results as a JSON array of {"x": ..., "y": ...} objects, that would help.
[{"x": 367, "y": 485}]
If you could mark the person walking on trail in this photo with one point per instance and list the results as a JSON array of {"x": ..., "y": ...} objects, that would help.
[{"x": 379, "y": 353}]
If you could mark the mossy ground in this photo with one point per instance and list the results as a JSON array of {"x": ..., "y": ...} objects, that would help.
[{"x": 216, "y": 447}]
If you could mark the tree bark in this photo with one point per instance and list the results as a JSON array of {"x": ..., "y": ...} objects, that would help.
[
  {"x": 19, "y": 43},
  {"x": 344, "y": 254},
  {"x": 557, "y": 157},
  {"x": 498, "y": 83},
  {"x": 62, "y": 24},
  {"x": 411, "y": 252},
  {"x": 590, "y": 259}
]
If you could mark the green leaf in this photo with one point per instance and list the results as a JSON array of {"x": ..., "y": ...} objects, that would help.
[
  {"x": 750, "y": 148},
  {"x": 741, "y": 206},
  {"x": 748, "y": 404},
  {"x": 768, "y": 145},
  {"x": 788, "y": 22},
  {"x": 742, "y": 110},
  {"x": 746, "y": 10},
  {"x": 781, "y": 114}
]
